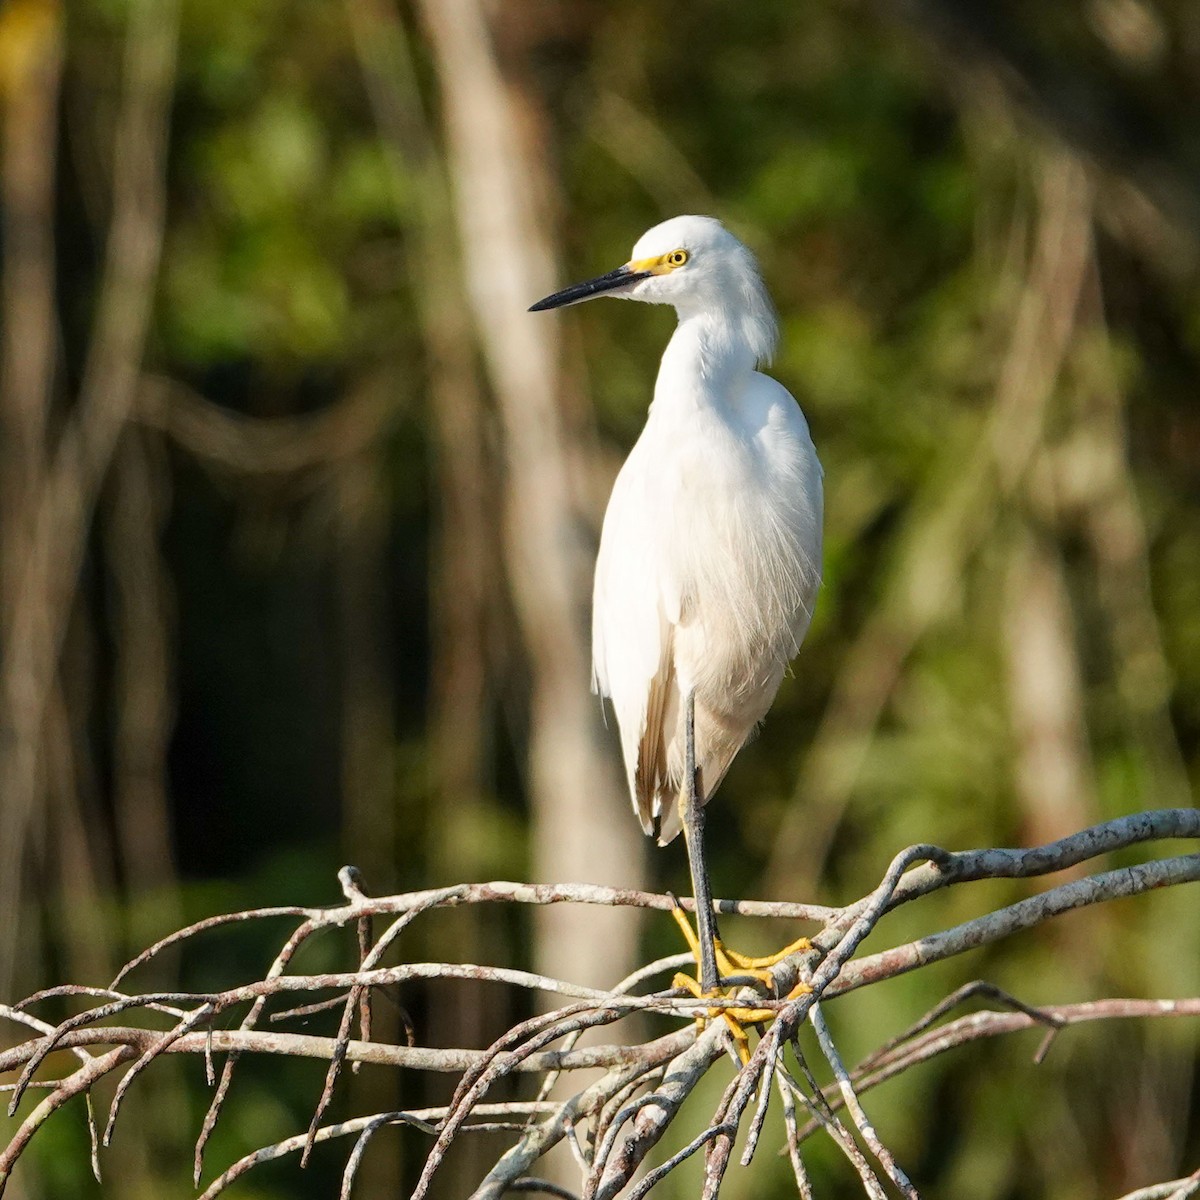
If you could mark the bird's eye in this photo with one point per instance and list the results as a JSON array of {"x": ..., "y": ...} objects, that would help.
[{"x": 677, "y": 258}]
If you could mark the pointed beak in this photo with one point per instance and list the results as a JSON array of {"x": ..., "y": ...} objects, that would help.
[{"x": 624, "y": 276}]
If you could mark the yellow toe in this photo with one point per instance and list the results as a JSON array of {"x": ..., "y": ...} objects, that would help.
[
  {"x": 744, "y": 962},
  {"x": 730, "y": 962}
]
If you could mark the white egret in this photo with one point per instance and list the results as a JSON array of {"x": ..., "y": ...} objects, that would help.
[{"x": 710, "y": 556}]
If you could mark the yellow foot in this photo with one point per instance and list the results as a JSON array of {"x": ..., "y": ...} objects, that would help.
[{"x": 730, "y": 963}]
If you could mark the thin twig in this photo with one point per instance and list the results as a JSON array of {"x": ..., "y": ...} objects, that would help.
[
  {"x": 824, "y": 1116},
  {"x": 296, "y": 1045},
  {"x": 791, "y": 1131},
  {"x": 542, "y": 1187},
  {"x": 861, "y": 1122},
  {"x": 297, "y": 938},
  {"x": 671, "y": 963},
  {"x": 81, "y": 1081},
  {"x": 959, "y": 996},
  {"x": 655, "y": 1177},
  {"x": 976, "y": 1026},
  {"x": 680, "y": 1079},
  {"x": 1174, "y": 1189},
  {"x": 203, "y": 1013}
]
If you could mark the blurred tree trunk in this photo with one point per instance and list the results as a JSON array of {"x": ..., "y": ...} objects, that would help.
[
  {"x": 143, "y": 698},
  {"x": 1052, "y": 768},
  {"x": 30, "y": 72},
  {"x": 50, "y": 535},
  {"x": 463, "y": 559},
  {"x": 57, "y": 858},
  {"x": 496, "y": 146},
  {"x": 368, "y": 778}
]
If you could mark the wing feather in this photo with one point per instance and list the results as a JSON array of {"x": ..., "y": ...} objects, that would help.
[
  {"x": 650, "y": 774},
  {"x": 632, "y": 644}
]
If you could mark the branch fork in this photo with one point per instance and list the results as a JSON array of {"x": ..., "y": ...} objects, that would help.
[{"x": 614, "y": 1123}]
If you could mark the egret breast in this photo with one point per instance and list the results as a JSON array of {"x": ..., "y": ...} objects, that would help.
[
  {"x": 745, "y": 545},
  {"x": 744, "y": 541},
  {"x": 708, "y": 568}
]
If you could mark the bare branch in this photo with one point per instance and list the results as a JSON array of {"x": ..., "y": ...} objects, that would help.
[
  {"x": 295, "y": 1045},
  {"x": 1112, "y": 885},
  {"x": 613, "y": 1123},
  {"x": 1174, "y": 1189},
  {"x": 495, "y": 892},
  {"x": 1105, "y": 838}
]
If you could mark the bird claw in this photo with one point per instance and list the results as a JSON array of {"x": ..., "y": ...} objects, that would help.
[{"x": 731, "y": 964}]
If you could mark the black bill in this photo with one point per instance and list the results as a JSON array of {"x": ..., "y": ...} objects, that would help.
[{"x": 621, "y": 277}]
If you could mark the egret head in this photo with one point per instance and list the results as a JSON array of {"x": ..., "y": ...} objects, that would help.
[{"x": 697, "y": 265}]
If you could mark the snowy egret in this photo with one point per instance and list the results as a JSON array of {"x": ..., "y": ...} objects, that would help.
[{"x": 710, "y": 555}]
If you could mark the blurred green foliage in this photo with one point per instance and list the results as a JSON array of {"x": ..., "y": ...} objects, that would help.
[{"x": 894, "y": 200}]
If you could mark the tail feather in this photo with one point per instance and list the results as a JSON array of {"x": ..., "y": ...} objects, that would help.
[{"x": 657, "y": 791}]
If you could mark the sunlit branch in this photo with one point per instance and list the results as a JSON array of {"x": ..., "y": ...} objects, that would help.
[{"x": 615, "y": 1121}]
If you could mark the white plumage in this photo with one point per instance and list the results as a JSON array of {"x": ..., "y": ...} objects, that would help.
[{"x": 710, "y": 556}]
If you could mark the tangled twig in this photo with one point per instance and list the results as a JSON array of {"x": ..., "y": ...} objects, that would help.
[{"x": 614, "y": 1122}]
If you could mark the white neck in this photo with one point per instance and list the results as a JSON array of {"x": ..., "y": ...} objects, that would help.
[
  {"x": 711, "y": 350},
  {"x": 706, "y": 349}
]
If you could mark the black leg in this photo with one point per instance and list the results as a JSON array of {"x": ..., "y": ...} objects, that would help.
[{"x": 693, "y": 832}]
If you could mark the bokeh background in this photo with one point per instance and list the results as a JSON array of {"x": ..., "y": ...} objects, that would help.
[{"x": 298, "y": 509}]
